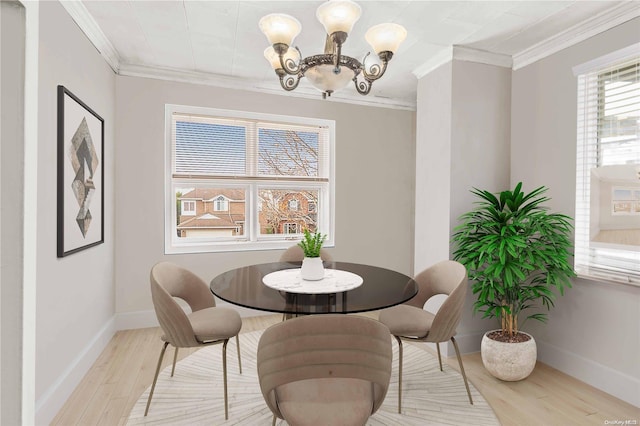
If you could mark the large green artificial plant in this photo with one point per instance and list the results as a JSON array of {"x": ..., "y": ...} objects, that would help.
[{"x": 515, "y": 252}]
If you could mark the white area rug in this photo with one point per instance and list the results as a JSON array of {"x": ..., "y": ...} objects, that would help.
[{"x": 194, "y": 395}]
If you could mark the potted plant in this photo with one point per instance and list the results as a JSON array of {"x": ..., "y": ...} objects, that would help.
[
  {"x": 311, "y": 244},
  {"x": 516, "y": 253}
]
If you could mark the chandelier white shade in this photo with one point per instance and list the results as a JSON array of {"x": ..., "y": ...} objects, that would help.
[
  {"x": 385, "y": 37},
  {"x": 338, "y": 15},
  {"x": 331, "y": 70},
  {"x": 280, "y": 28}
]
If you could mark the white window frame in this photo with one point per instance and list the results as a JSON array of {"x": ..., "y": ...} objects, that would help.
[
  {"x": 185, "y": 212},
  {"x": 252, "y": 240},
  {"x": 633, "y": 200},
  {"x": 220, "y": 199},
  {"x": 590, "y": 256},
  {"x": 286, "y": 225}
]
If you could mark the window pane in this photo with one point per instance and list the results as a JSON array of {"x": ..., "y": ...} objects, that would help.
[
  {"x": 277, "y": 216},
  {"x": 217, "y": 212},
  {"x": 618, "y": 116},
  {"x": 287, "y": 152},
  {"x": 209, "y": 149}
]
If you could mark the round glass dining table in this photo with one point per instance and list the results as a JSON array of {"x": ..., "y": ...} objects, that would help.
[{"x": 380, "y": 288}]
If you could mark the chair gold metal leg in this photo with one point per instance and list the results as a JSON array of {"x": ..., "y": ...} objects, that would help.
[
  {"x": 224, "y": 374},
  {"x": 273, "y": 422},
  {"x": 399, "y": 374},
  {"x": 155, "y": 378},
  {"x": 175, "y": 357},
  {"x": 238, "y": 346},
  {"x": 439, "y": 357},
  {"x": 464, "y": 376}
]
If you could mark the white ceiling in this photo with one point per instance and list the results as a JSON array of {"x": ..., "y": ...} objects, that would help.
[{"x": 218, "y": 42}]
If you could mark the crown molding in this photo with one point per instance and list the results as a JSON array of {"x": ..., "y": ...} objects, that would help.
[
  {"x": 599, "y": 23},
  {"x": 208, "y": 79},
  {"x": 462, "y": 53},
  {"x": 79, "y": 13}
]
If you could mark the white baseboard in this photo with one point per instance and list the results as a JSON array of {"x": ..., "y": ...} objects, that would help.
[
  {"x": 52, "y": 400},
  {"x": 613, "y": 382}
]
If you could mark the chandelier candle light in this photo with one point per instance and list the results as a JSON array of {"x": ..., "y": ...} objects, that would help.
[{"x": 331, "y": 70}]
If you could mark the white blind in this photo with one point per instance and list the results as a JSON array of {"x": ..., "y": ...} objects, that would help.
[
  {"x": 608, "y": 135},
  {"x": 217, "y": 148}
]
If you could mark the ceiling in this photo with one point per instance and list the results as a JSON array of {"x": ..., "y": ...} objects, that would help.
[{"x": 218, "y": 42}]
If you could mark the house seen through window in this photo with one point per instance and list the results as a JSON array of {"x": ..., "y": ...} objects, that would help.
[{"x": 244, "y": 181}]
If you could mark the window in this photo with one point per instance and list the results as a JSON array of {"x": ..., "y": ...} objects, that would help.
[
  {"x": 290, "y": 228},
  {"x": 220, "y": 204},
  {"x": 625, "y": 201},
  {"x": 245, "y": 179},
  {"x": 188, "y": 208},
  {"x": 607, "y": 232}
]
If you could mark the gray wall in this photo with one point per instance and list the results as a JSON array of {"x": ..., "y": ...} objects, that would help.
[
  {"x": 75, "y": 294},
  {"x": 462, "y": 142},
  {"x": 374, "y": 183},
  {"x": 593, "y": 333},
  {"x": 12, "y": 59},
  {"x": 433, "y": 165}
]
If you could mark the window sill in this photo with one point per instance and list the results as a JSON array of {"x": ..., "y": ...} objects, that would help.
[
  {"x": 233, "y": 246},
  {"x": 608, "y": 278}
]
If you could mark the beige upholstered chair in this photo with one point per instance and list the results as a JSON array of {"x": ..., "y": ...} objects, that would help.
[
  {"x": 325, "y": 369},
  {"x": 411, "y": 322},
  {"x": 205, "y": 325},
  {"x": 295, "y": 254}
]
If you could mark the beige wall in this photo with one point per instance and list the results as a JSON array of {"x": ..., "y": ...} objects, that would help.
[
  {"x": 12, "y": 150},
  {"x": 593, "y": 332},
  {"x": 374, "y": 183},
  {"x": 75, "y": 294},
  {"x": 433, "y": 164},
  {"x": 462, "y": 142}
]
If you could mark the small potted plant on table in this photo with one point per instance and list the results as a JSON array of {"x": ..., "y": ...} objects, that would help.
[
  {"x": 312, "y": 267},
  {"x": 516, "y": 253}
]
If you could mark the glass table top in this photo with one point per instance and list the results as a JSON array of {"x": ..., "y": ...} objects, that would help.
[{"x": 381, "y": 288}]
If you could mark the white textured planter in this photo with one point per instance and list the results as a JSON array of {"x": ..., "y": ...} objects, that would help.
[
  {"x": 312, "y": 269},
  {"x": 508, "y": 361}
]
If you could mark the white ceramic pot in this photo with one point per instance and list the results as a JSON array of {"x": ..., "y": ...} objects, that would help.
[
  {"x": 312, "y": 269},
  {"x": 508, "y": 361}
]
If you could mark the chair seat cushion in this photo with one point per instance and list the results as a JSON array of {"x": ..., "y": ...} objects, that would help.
[
  {"x": 326, "y": 401},
  {"x": 405, "y": 320},
  {"x": 215, "y": 323}
]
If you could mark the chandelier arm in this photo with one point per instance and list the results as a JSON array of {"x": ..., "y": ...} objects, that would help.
[
  {"x": 375, "y": 70},
  {"x": 289, "y": 65},
  {"x": 363, "y": 87},
  {"x": 289, "y": 82}
]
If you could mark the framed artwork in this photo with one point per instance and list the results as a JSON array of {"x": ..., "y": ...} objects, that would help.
[{"x": 80, "y": 175}]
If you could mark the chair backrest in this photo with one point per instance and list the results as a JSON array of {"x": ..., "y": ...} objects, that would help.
[
  {"x": 295, "y": 254},
  {"x": 167, "y": 282},
  {"x": 328, "y": 346},
  {"x": 450, "y": 278}
]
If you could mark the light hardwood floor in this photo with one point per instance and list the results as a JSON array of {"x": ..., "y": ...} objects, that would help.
[{"x": 547, "y": 397}]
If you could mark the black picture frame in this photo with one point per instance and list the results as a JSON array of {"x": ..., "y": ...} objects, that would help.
[{"x": 80, "y": 176}]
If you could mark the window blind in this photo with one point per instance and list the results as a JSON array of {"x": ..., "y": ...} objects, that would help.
[
  {"x": 217, "y": 148},
  {"x": 608, "y": 135}
]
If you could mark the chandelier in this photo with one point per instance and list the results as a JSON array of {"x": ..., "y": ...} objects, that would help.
[{"x": 331, "y": 70}]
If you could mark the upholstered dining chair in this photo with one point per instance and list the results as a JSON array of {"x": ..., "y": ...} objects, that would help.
[
  {"x": 205, "y": 325},
  {"x": 325, "y": 369},
  {"x": 295, "y": 254},
  {"x": 410, "y": 321}
]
